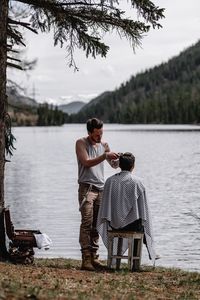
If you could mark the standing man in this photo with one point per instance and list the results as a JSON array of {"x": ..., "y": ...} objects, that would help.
[{"x": 91, "y": 153}]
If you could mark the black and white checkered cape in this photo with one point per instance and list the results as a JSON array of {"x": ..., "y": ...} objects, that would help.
[{"x": 124, "y": 201}]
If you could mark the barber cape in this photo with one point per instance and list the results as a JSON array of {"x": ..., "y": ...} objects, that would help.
[{"x": 124, "y": 201}]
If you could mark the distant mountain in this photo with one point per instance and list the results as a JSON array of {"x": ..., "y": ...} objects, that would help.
[
  {"x": 25, "y": 111},
  {"x": 168, "y": 93},
  {"x": 72, "y": 107},
  {"x": 17, "y": 100}
]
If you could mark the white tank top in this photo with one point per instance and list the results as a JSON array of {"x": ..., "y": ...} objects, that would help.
[{"x": 93, "y": 175}]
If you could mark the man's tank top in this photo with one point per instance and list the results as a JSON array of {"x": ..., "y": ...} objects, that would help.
[{"x": 93, "y": 175}]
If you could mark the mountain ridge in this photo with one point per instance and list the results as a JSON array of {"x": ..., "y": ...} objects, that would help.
[
  {"x": 72, "y": 107},
  {"x": 167, "y": 93},
  {"x": 16, "y": 99}
]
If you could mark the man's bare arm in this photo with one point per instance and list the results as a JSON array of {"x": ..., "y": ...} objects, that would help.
[
  {"x": 113, "y": 162},
  {"x": 91, "y": 162}
]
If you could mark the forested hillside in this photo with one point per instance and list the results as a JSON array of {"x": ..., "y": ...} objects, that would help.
[
  {"x": 72, "y": 107},
  {"x": 25, "y": 111},
  {"x": 22, "y": 109},
  {"x": 168, "y": 94}
]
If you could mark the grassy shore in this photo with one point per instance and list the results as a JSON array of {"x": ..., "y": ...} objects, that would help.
[{"x": 62, "y": 279}]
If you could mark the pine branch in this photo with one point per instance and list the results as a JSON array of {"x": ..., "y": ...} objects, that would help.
[
  {"x": 101, "y": 5},
  {"x": 14, "y": 66},
  {"x": 12, "y": 58},
  {"x": 11, "y": 50},
  {"x": 81, "y": 24},
  {"x": 149, "y": 11},
  {"x": 23, "y": 24},
  {"x": 9, "y": 137},
  {"x": 15, "y": 35}
]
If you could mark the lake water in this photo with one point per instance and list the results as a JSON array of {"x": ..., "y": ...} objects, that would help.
[{"x": 41, "y": 186}]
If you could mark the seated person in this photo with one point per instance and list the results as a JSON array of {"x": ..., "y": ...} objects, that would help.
[{"x": 124, "y": 205}]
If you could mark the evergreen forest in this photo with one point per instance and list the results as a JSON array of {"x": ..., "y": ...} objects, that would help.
[
  {"x": 48, "y": 115},
  {"x": 166, "y": 94}
]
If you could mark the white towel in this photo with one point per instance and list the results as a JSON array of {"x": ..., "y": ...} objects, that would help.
[{"x": 43, "y": 241}]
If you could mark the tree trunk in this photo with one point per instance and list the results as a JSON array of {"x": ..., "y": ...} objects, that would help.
[{"x": 3, "y": 56}]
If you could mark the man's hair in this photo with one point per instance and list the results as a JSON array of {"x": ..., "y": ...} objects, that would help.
[
  {"x": 94, "y": 123},
  {"x": 126, "y": 161}
]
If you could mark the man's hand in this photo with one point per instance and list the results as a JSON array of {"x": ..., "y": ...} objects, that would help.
[{"x": 111, "y": 155}]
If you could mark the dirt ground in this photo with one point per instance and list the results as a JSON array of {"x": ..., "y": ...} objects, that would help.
[{"x": 63, "y": 279}]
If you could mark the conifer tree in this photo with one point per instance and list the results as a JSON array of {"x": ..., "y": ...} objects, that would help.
[{"x": 75, "y": 24}]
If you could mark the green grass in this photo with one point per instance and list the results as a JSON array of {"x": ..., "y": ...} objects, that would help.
[{"x": 62, "y": 279}]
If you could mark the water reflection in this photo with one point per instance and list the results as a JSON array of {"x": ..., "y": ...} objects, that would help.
[{"x": 41, "y": 185}]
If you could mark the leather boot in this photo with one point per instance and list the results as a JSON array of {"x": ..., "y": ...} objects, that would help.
[
  {"x": 95, "y": 261},
  {"x": 86, "y": 262}
]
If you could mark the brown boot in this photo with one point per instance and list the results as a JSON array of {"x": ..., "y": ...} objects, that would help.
[
  {"x": 86, "y": 262},
  {"x": 95, "y": 262}
]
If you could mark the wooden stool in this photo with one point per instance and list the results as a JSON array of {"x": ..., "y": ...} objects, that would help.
[{"x": 135, "y": 241}]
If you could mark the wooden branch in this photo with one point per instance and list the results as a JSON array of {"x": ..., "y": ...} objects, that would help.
[
  {"x": 15, "y": 36},
  {"x": 87, "y": 4},
  {"x": 10, "y": 50},
  {"x": 14, "y": 66},
  {"x": 12, "y": 58},
  {"x": 26, "y": 25},
  {"x": 11, "y": 21}
]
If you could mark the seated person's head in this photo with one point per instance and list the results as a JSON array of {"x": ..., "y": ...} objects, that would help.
[{"x": 127, "y": 161}]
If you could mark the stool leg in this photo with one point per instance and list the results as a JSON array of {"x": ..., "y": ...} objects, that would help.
[
  {"x": 110, "y": 251},
  {"x": 130, "y": 253},
  {"x": 137, "y": 252},
  {"x": 140, "y": 250},
  {"x": 119, "y": 252}
]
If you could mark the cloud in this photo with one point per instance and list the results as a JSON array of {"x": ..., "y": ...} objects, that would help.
[
  {"x": 55, "y": 81},
  {"x": 107, "y": 70},
  {"x": 77, "y": 97},
  {"x": 43, "y": 78},
  {"x": 87, "y": 97}
]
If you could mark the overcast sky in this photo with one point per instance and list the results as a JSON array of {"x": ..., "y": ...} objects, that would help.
[{"x": 53, "y": 81}]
